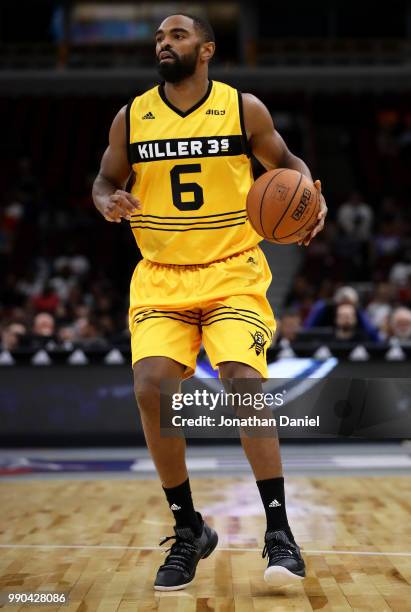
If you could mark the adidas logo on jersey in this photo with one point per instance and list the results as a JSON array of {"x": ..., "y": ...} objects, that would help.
[
  {"x": 274, "y": 504},
  {"x": 214, "y": 111},
  {"x": 175, "y": 507},
  {"x": 148, "y": 115}
]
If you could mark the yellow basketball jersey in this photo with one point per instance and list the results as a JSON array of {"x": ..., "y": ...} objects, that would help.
[{"x": 193, "y": 173}]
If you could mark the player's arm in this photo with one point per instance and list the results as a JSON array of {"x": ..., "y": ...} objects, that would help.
[
  {"x": 108, "y": 189},
  {"x": 272, "y": 152}
]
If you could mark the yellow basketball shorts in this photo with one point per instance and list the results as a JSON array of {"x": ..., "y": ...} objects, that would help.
[{"x": 222, "y": 305}]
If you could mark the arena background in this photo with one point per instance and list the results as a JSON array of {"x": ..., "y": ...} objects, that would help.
[{"x": 336, "y": 77}]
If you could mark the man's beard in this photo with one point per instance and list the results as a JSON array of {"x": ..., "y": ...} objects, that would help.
[{"x": 180, "y": 69}]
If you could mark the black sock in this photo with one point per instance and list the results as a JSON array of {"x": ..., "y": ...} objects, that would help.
[
  {"x": 181, "y": 504},
  {"x": 273, "y": 498}
]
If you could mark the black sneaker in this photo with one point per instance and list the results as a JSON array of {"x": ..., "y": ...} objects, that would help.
[
  {"x": 285, "y": 563},
  {"x": 179, "y": 568}
]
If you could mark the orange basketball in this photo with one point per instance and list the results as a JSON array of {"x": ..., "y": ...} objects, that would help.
[{"x": 283, "y": 205}]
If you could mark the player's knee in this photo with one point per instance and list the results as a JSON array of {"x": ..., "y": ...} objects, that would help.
[
  {"x": 234, "y": 369},
  {"x": 146, "y": 385},
  {"x": 148, "y": 375}
]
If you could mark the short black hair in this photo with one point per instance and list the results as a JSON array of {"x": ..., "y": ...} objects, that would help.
[{"x": 201, "y": 25}]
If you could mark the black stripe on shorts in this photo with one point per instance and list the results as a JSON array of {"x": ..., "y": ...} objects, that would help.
[
  {"x": 155, "y": 315},
  {"x": 252, "y": 318},
  {"x": 180, "y": 313},
  {"x": 228, "y": 318}
]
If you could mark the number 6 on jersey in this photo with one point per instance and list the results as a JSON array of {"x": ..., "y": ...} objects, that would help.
[{"x": 178, "y": 188}]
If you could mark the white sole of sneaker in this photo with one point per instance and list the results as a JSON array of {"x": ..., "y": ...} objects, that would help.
[
  {"x": 280, "y": 576},
  {"x": 172, "y": 588}
]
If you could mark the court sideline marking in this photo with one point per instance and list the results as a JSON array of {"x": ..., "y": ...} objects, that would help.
[{"x": 223, "y": 549}]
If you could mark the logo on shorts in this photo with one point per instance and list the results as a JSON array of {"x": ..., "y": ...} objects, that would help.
[
  {"x": 258, "y": 343},
  {"x": 251, "y": 260}
]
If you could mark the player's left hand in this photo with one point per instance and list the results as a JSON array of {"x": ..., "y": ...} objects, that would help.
[{"x": 320, "y": 219}]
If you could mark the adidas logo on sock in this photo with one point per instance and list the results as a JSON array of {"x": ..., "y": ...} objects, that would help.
[
  {"x": 274, "y": 504},
  {"x": 175, "y": 507},
  {"x": 148, "y": 115}
]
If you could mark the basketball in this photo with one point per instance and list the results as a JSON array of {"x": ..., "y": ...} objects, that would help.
[{"x": 283, "y": 205}]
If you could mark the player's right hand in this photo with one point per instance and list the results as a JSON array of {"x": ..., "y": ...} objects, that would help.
[{"x": 120, "y": 205}]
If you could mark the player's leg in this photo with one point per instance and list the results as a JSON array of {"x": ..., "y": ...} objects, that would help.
[
  {"x": 285, "y": 563},
  {"x": 168, "y": 453},
  {"x": 237, "y": 331},
  {"x": 264, "y": 456},
  {"x": 164, "y": 347}
]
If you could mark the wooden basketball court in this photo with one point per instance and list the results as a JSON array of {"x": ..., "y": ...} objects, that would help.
[{"x": 98, "y": 540}]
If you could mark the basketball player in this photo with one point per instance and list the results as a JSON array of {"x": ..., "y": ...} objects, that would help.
[{"x": 203, "y": 277}]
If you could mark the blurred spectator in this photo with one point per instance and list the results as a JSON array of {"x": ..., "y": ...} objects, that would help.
[
  {"x": 88, "y": 336},
  {"x": 350, "y": 246},
  {"x": 387, "y": 243},
  {"x": 76, "y": 263},
  {"x": 66, "y": 337},
  {"x": 390, "y": 210},
  {"x": 288, "y": 328},
  {"x": 43, "y": 325},
  {"x": 18, "y": 314},
  {"x": 106, "y": 325},
  {"x": 380, "y": 306},
  {"x": 319, "y": 260},
  {"x": 351, "y": 258},
  {"x": 43, "y": 332},
  {"x": 400, "y": 326},
  {"x": 404, "y": 293},
  {"x": 355, "y": 217},
  {"x": 122, "y": 339},
  {"x": 81, "y": 311},
  {"x": 300, "y": 296},
  {"x": 13, "y": 214},
  {"x": 346, "y": 327},
  {"x": 12, "y": 337},
  {"x": 47, "y": 300},
  {"x": 63, "y": 282},
  {"x": 401, "y": 270},
  {"x": 31, "y": 283},
  {"x": 323, "y": 313}
]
